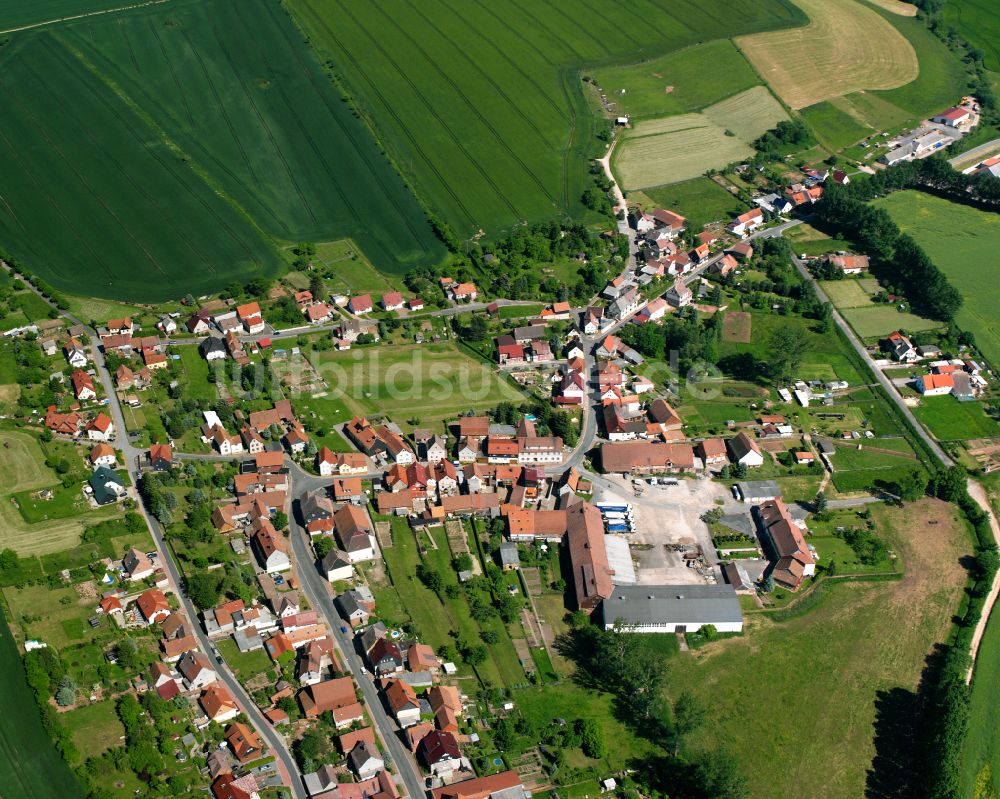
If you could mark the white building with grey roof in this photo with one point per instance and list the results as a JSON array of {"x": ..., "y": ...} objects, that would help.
[{"x": 673, "y": 608}]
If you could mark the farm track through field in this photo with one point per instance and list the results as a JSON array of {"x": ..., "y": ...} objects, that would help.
[
  {"x": 128, "y": 43},
  {"x": 390, "y": 109},
  {"x": 601, "y": 45},
  {"x": 266, "y": 127},
  {"x": 222, "y": 108},
  {"x": 430, "y": 110},
  {"x": 474, "y": 108},
  {"x": 497, "y": 87},
  {"x": 13, "y": 214},
  {"x": 138, "y": 185},
  {"x": 170, "y": 169}
]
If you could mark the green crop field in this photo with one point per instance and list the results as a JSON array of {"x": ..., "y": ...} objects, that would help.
[
  {"x": 963, "y": 242},
  {"x": 19, "y": 13},
  {"x": 977, "y": 21},
  {"x": 480, "y": 104},
  {"x": 874, "y": 321},
  {"x": 93, "y": 202},
  {"x": 832, "y": 126},
  {"x": 30, "y": 766},
  {"x": 167, "y": 149},
  {"x": 686, "y": 80},
  {"x": 982, "y": 745},
  {"x": 700, "y": 200}
]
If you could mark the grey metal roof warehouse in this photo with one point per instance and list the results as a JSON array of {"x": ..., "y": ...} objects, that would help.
[{"x": 669, "y": 605}]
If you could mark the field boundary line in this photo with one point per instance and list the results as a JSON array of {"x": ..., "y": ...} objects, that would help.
[
  {"x": 311, "y": 77},
  {"x": 84, "y": 16}
]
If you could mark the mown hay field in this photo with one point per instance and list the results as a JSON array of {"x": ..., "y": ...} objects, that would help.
[
  {"x": 834, "y": 126},
  {"x": 848, "y": 293},
  {"x": 480, "y": 104},
  {"x": 846, "y": 47},
  {"x": 677, "y": 148},
  {"x": 963, "y": 242},
  {"x": 686, "y": 80}
]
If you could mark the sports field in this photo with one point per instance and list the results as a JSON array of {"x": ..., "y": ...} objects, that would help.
[
  {"x": 977, "y": 21},
  {"x": 686, "y": 80},
  {"x": 676, "y": 148},
  {"x": 963, "y": 243},
  {"x": 430, "y": 382},
  {"x": 874, "y": 321},
  {"x": 480, "y": 105},
  {"x": 856, "y": 657},
  {"x": 846, "y": 47},
  {"x": 700, "y": 200}
]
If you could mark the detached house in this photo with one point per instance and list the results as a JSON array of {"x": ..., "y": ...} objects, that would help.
[
  {"x": 100, "y": 428},
  {"x": 902, "y": 348},
  {"x": 747, "y": 223},
  {"x": 83, "y": 386},
  {"x": 360, "y": 305},
  {"x": 76, "y": 355},
  {"x": 679, "y": 295},
  {"x": 784, "y": 543},
  {"x": 744, "y": 450},
  {"x": 270, "y": 548},
  {"x": 354, "y": 532}
]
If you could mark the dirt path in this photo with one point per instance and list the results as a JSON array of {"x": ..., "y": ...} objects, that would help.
[{"x": 977, "y": 492}]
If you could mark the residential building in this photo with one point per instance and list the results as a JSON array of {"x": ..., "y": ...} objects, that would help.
[
  {"x": 196, "y": 669},
  {"x": 784, "y": 544},
  {"x": 270, "y": 547},
  {"x": 744, "y": 450}
]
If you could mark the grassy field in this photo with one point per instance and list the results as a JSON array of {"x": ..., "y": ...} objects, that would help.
[
  {"x": 982, "y": 745},
  {"x": 686, "y": 80},
  {"x": 737, "y": 326},
  {"x": 30, "y": 766},
  {"x": 963, "y": 242},
  {"x": 677, "y": 148},
  {"x": 977, "y": 21},
  {"x": 942, "y": 80},
  {"x": 846, "y": 47},
  {"x": 352, "y": 272},
  {"x": 951, "y": 420},
  {"x": 284, "y": 145},
  {"x": 480, "y": 105},
  {"x": 430, "y": 382},
  {"x": 96, "y": 728},
  {"x": 874, "y": 321},
  {"x": 700, "y": 200},
  {"x": 848, "y": 293},
  {"x": 23, "y": 464},
  {"x": 851, "y": 665},
  {"x": 833, "y": 127}
]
